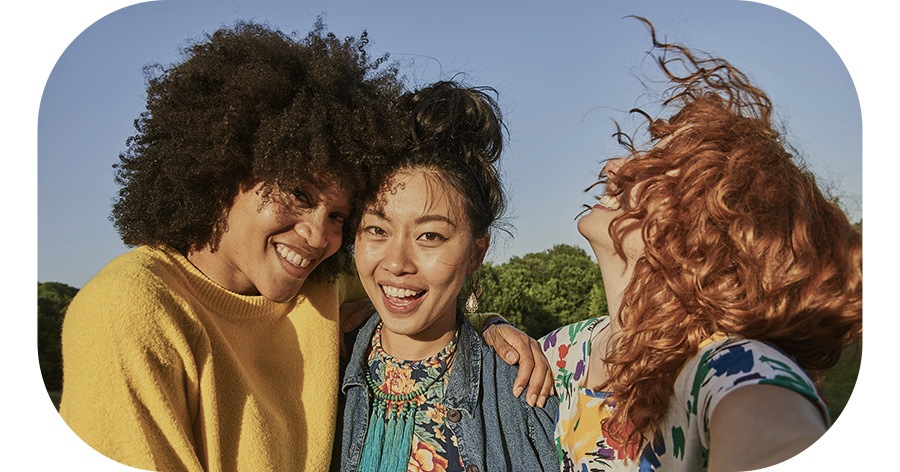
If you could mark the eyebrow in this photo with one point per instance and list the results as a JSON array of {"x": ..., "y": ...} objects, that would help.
[{"x": 420, "y": 220}]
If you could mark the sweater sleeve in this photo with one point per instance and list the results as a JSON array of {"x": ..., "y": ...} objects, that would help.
[{"x": 129, "y": 372}]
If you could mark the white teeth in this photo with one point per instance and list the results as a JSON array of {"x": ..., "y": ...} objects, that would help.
[
  {"x": 396, "y": 292},
  {"x": 610, "y": 202},
  {"x": 292, "y": 256}
]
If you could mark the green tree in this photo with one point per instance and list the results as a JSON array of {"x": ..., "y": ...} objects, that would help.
[
  {"x": 542, "y": 291},
  {"x": 53, "y": 299}
]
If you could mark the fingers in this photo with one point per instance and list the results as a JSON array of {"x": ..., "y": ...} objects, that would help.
[
  {"x": 354, "y": 314},
  {"x": 534, "y": 370},
  {"x": 526, "y": 368},
  {"x": 493, "y": 336},
  {"x": 542, "y": 377}
]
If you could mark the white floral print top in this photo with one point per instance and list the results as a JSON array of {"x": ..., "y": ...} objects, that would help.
[{"x": 721, "y": 366}]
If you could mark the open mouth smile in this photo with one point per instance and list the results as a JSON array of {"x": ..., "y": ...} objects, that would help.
[
  {"x": 292, "y": 257},
  {"x": 401, "y": 297},
  {"x": 609, "y": 202}
]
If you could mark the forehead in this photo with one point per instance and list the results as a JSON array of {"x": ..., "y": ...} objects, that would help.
[
  {"x": 327, "y": 188},
  {"x": 416, "y": 192}
]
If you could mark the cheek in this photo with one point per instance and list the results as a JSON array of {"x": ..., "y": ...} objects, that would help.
[
  {"x": 362, "y": 255},
  {"x": 449, "y": 270}
]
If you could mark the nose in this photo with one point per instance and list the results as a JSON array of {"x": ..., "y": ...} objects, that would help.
[
  {"x": 611, "y": 167},
  {"x": 399, "y": 258},
  {"x": 312, "y": 226}
]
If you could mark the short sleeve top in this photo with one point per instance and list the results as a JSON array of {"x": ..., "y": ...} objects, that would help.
[{"x": 720, "y": 366}]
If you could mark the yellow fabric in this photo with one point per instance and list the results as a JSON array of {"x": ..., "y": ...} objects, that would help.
[{"x": 165, "y": 370}]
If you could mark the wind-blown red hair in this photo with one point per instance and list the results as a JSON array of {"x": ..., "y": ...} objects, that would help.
[{"x": 739, "y": 240}]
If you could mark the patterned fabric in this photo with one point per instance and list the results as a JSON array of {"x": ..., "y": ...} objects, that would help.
[
  {"x": 434, "y": 447},
  {"x": 721, "y": 366}
]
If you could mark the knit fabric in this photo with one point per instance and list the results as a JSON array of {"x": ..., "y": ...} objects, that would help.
[{"x": 166, "y": 370}]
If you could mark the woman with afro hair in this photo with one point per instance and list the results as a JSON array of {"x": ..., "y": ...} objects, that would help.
[
  {"x": 731, "y": 282},
  {"x": 213, "y": 344}
]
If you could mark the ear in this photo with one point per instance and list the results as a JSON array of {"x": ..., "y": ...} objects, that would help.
[{"x": 481, "y": 247}]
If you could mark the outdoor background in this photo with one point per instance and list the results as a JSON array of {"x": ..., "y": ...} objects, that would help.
[{"x": 564, "y": 71}]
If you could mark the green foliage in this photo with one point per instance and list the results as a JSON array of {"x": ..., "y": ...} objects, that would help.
[
  {"x": 838, "y": 382},
  {"x": 53, "y": 299},
  {"x": 542, "y": 291}
]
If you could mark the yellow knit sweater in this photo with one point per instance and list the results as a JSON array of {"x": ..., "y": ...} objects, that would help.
[{"x": 165, "y": 370}]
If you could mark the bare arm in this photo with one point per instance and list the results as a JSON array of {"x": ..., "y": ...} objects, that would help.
[{"x": 761, "y": 425}]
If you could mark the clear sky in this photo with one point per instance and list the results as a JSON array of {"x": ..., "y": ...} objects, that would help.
[
  {"x": 564, "y": 71},
  {"x": 72, "y": 86}
]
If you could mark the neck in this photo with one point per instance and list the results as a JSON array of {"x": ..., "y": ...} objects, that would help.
[
  {"x": 420, "y": 345},
  {"x": 616, "y": 275},
  {"x": 213, "y": 266}
]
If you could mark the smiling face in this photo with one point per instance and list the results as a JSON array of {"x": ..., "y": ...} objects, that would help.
[
  {"x": 270, "y": 246},
  {"x": 413, "y": 251},
  {"x": 594, "y": 226}
]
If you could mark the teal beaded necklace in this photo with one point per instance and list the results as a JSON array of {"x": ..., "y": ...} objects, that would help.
[{"x": 388, "y": 442}]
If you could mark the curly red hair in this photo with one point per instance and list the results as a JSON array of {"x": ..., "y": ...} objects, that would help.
[{"x": 738, "y": 238}]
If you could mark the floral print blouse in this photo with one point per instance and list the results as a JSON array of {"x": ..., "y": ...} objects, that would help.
[
  {"x": 434, "y": 447},
  {"x": 721, "y": 366}
]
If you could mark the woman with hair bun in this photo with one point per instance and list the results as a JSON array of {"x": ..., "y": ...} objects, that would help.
[
  {"x": 731, "y": 282},
  {"x": 214, "y": 343},
  {"x": 422, "y": 390}
]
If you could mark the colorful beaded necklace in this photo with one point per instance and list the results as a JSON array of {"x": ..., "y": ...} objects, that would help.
[{"x": 388, "y": 443}]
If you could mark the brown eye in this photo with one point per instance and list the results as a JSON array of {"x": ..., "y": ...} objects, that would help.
[
  {"x": 432, "y": 237},
  {"x": 338, "y": 218},
  {"x": 301, "y": 197},
  {"x": 374, "y": 231}
]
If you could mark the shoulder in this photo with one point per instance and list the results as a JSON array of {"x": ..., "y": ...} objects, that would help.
[
  {"x": 132, "y": 295},
  {"x": 135, "y": 276},
  {"x": 568, "y": 348},
  {"x": 726, "y": 366},
  {"x": 580, "y": 332},
  {"x": 750, "y": 361}
]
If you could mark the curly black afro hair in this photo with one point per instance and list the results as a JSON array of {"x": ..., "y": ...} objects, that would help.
[{"x": 249, "y": 104}]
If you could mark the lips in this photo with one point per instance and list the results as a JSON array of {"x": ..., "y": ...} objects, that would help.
[
  {"x": 294, "y": 258},
  {"x": 401, "y": 299}
]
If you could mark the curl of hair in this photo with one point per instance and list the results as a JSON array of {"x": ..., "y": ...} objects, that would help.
[
  {"x": 458, "y": 132},
  {"x": 738, "y": 240},
  {"x": 248, "y": 104}
]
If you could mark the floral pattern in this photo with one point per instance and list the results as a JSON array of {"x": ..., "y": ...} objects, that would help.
[
  {"x": 721, "y": 365},
  {"x": 434, "y": 446}
]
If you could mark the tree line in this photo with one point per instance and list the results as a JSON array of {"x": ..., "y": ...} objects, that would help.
[{"x": 538, "y": 293}]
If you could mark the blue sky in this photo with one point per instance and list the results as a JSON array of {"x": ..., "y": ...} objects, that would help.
[{"x": 564, "y": 71}]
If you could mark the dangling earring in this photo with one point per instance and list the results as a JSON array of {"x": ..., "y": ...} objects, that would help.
[{"x": 472, "y": 301}]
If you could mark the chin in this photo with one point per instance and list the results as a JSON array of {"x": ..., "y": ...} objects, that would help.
[
  {"x": 592, "y": 228},
  {"x": 282, "y": 294}
]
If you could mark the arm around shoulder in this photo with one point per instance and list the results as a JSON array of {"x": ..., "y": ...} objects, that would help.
[{"x": 761, "y": 425}]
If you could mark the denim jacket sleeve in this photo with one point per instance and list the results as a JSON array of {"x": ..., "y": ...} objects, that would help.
[{"x": 495, "y": 430}]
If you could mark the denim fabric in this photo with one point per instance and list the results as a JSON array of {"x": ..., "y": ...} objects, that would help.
[{"x": 495, "y": 430}]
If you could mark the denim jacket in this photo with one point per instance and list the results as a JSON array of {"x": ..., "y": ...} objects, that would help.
[{"x": 495, "y": 430}]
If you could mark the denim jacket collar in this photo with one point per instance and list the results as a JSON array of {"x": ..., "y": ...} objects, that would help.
[{"x": 465, "y": 376}]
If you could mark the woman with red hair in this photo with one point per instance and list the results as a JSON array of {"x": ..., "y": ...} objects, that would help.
[{"x": 731, "y": 282}]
